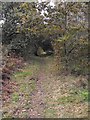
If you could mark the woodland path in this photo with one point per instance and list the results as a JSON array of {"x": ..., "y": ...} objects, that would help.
[
  {"x": 41, "y": 93},
  {"x": 38, "y": 96}
]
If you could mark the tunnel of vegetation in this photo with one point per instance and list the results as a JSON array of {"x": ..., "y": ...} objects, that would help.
[
  {"x": 45, "y": 59},
  {"x": 31, "y": 28}
]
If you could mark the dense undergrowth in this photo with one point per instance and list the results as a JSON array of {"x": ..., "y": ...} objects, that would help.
[{"x": 9, "y": 66}]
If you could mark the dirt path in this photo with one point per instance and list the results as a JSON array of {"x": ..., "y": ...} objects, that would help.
[
  {"x": 38, "y": 99},
  {"x": 38, "y": 96},
  {"x": 58, "y": 96},
  {"x": 42, "y": 94}
]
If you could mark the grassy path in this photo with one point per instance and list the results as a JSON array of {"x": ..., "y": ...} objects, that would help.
[
  {"x": 38, "y": 99},
  {"x": 42, "y": 94}
]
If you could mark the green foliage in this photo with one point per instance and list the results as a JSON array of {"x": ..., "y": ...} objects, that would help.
[
  {"x": 50, "y": 113},
  {"x": 15, "y": 97},
  {"x": 23, "y": 18},
  {"x": 84, "y": 94},
  {"x": 81, "y": 96},
  {"x": 73, "y": 48},
  {"x": 22, "y": 74},
  {"x": 26, "y": 28}
]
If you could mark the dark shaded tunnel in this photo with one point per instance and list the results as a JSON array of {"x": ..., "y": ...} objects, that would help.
[{"x": 46, "y": 46}]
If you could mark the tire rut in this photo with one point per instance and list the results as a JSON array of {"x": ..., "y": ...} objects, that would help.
[{"x": 37, "y": 102}]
